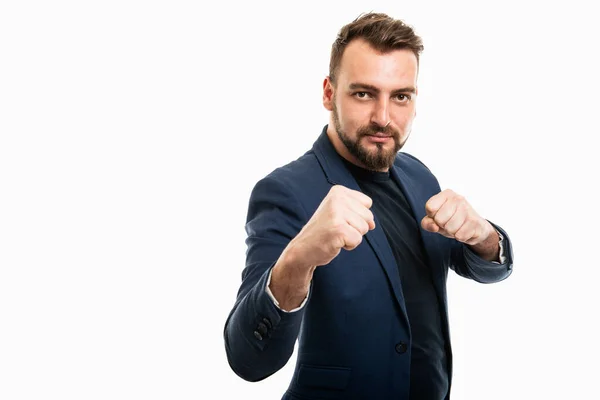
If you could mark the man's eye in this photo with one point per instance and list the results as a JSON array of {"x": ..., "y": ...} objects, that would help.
[
  {"x": 403, "y": 97},
  {"x": 361, "y": 95}
]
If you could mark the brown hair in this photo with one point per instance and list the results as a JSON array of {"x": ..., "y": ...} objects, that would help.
[{"x": 382, "y": 32}]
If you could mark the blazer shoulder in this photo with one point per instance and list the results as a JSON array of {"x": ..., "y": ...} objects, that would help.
[
  {"x": 405, "y": 160},
  {"x": 296, "y": 173}
]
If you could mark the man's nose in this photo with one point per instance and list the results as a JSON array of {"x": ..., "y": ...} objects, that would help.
[{"x": 381, "y": 112}]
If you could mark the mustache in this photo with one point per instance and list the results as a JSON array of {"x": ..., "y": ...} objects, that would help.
[{"x": 374, "y": 128}]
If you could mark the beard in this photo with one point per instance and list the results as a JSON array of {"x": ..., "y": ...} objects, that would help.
[{"x": 379, "y": 159}]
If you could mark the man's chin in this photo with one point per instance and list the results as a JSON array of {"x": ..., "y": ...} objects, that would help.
[
  {"x": 379, "y": 150},
  {"x": 377, "y": 159}
]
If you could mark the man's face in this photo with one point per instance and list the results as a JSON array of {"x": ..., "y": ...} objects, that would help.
[{"x": 372, "y": 90}]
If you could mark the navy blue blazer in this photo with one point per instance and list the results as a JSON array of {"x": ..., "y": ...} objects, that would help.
[{"x": 353, "y": 333}]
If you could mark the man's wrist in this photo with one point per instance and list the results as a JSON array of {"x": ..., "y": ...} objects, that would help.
[
  {"x": 290, "y": 279},
  {"x": 489, "y": 248},
  {"x": 294, "y": 257}
]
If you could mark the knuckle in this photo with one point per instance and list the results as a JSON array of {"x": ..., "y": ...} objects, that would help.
[
  {"x": 339, "y": 227},
  {"x": 335, "y": 190},
  {"x": 355, "y": 240},
  {"x": 430, "y": 206},
  {"x": 439, "y": 220},
  {"x": 460, "y": 236},
  {"x": 340, "y": 189},
  {"x": 364, "y": 228},
  {"x": 452, "y": 229}
]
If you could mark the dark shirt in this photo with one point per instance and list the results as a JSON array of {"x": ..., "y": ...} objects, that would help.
[{"x": 428, "y": 370}]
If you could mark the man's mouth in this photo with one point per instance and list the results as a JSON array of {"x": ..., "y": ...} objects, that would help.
[{"x": 378, "y": 138}]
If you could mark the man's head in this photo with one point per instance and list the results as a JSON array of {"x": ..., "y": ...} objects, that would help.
[{"x": 371, "y": 89}]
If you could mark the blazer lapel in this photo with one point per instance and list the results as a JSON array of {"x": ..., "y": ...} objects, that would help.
[
  {"x": 417, "y": 196},
  {"x": 337, "y": 174}
]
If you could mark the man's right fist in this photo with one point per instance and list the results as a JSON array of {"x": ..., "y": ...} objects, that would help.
[{"x": 340, "y": 222}]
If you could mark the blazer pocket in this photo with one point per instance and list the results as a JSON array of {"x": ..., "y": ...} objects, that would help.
[{"x": 334, "y": 378}]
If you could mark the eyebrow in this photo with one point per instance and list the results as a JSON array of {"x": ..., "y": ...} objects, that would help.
[{"x": 364, "y": 86}]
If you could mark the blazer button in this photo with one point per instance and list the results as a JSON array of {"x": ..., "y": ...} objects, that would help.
[
  {"x": 267, "y": 322},
  {"x": 261, "y": 328},
  {"x": 401, "y": 348},
  {"x": 258, "y": 335}
]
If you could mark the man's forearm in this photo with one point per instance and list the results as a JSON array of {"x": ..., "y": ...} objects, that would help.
[{"x": 290, "y": 279}]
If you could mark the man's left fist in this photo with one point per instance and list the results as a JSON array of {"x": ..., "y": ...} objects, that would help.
[{"x": 450, "y": 215}]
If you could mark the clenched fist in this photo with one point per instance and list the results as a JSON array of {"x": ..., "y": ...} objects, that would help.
[
  {"x": 450, "y": 215},
  {"x": 340, "y": 222}
]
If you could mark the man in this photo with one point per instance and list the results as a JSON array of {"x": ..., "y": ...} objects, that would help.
[{"x": 370, "y": 315}]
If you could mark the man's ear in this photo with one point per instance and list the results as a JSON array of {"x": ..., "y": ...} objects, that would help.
[{"x": 328, "y": 94}]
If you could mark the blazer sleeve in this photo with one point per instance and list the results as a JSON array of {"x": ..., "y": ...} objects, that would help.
[
  {"x": 465, "y": 262},
  {"x": 259, "y": 337}
]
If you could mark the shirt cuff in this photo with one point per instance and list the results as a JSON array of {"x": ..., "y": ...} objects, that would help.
[
  {"x": 502, "y": 255},
  {"x": 270, "y": 294}
]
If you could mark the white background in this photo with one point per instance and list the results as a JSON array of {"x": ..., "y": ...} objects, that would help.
[{"x": 131, "y": 135}]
